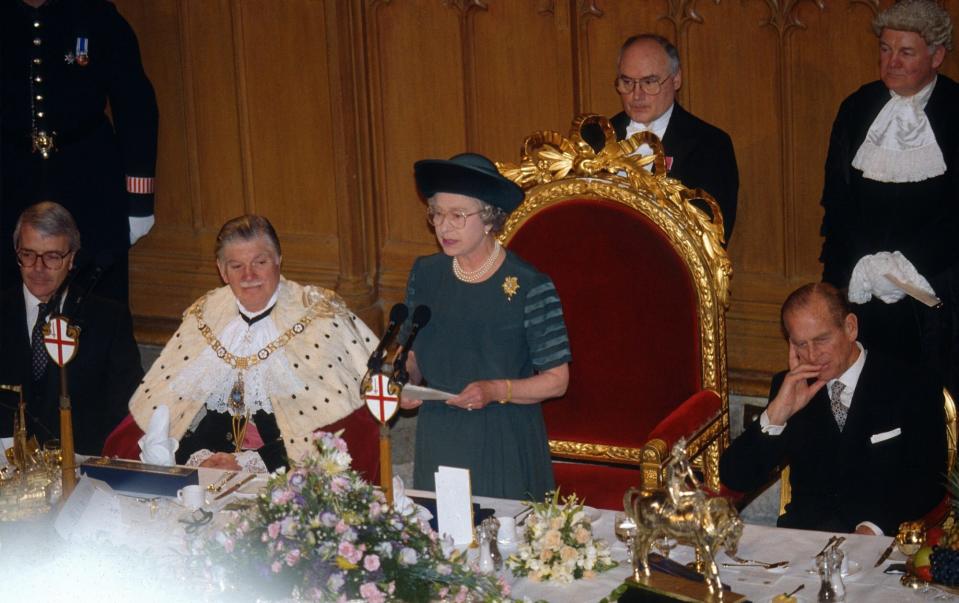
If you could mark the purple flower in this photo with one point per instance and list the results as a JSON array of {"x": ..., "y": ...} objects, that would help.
[
  {"x": 297, "y": 479},
  {"x": 371, "y": 563},
  {"x": 328, "y": 519}
]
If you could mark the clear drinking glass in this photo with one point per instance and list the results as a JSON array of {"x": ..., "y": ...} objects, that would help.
[{"x": 625, "y": 529}]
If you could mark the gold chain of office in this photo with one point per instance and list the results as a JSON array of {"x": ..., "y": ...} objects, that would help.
[{"x": 242, "y": 362}]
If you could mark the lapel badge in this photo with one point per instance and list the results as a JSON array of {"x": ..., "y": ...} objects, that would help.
[
  {"x": 69, "y": 58},
  {"x": 83, "y": 52},
  {"x": 510, "y": 287}
]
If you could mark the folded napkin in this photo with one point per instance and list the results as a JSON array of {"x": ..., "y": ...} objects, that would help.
[
  {"x": 156, "y": 445},
  {"x": 869, "y": 278},
  {"x": 404, "y": 504}
]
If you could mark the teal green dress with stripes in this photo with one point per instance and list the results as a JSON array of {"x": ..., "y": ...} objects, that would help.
[{"x": 477, "y": 332}]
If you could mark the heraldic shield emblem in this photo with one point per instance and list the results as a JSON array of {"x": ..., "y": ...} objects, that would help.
[
  {"x": 60, "y": 339},
  {"x": 382, "y": 396}
]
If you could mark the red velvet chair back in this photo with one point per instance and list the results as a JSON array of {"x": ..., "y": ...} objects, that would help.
[
  {"x": 632, "y": 317},
  {"x": 644, "y": 282}
]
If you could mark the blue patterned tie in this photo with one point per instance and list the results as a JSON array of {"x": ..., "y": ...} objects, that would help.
[
  {"x": 839, "y": 410},
  {"x": 40, "y": 356}
]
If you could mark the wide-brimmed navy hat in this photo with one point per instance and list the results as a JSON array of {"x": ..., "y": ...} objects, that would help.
[{"x": 467, "y": 174}]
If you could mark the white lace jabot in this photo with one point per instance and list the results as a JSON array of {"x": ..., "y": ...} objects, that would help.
[{"x": 900, "y": 145}]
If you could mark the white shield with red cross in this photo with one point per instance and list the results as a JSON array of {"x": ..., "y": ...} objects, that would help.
[
  {"x": 60, "y": 339},
  {"x": 379, "y": 399}
]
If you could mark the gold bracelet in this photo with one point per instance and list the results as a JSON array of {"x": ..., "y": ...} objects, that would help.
[{"x": 509, "y": 392}]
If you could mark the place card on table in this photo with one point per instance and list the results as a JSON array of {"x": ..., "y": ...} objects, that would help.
[
  {"x": 92, "y": 513},
  {"x": 454, "y": 504}
]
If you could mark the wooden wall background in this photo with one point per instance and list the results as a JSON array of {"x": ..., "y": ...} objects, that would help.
[{"x": 312, "y": 113}]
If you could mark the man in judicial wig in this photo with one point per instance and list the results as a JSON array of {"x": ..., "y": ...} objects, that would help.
[
  {"x": 698, "y": 154},
  {"x": 864, "y": 434},
  {"x": 106, "y": 367},
  {"x": 891, "y": 192},
  {"x": 259, "y": 364}
]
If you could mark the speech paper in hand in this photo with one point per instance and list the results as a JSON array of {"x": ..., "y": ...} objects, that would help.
[
  {"x": 915, "y": 292},
  {"x": 418, "y": 392},
  {"x": 454, "y": 504}
]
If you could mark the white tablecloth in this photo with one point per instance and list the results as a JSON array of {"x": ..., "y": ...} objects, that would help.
[
  {"x": 869, "y": 584},
  {"x": 161, "y": 539}
]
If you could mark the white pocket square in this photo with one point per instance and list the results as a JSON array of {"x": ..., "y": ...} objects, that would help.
[{"x": 886, "y": 435}]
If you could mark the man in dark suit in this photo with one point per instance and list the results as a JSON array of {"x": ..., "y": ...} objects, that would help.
[
  {"x": 892, "y": 185},
  {"x": 864, "y": 435},
  {"x": 105, "y": 370},
  {"x": 697, "y": 154}
]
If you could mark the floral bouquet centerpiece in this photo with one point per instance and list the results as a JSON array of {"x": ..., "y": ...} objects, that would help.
[
  {"x": 558, "y": 544},
  {"x": 319, "y": 532}
]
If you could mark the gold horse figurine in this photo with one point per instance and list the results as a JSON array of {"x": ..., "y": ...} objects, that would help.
[{"x": 684, "y": 512}]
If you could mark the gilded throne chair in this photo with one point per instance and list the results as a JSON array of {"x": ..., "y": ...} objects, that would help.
[{"x": 639, "y": 264}]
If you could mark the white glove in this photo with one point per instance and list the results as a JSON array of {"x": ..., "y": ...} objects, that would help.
[
  {"x": 868, "y": 278},
  {"x": 140, "y": 226}
]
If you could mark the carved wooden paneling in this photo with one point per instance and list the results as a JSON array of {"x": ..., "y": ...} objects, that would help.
[{"x": 313, "y": 112}]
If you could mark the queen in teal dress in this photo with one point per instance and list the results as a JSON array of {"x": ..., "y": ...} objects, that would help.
[{"x": 497, "y": 338}]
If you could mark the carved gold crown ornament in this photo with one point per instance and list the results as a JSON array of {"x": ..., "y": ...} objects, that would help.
[{"x": 31, "y": 481}]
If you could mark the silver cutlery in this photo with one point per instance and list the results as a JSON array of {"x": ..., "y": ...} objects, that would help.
[{"x": 833, "y": 541}]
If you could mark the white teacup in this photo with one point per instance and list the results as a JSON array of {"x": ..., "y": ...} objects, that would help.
[
  {"x": 506, "y": 535},
  {"x": 191, "y": 497}
]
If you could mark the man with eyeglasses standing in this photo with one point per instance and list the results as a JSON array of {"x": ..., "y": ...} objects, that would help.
[
  {"x": 697, "y": 154},
  {"x": 106, "y": 368}
]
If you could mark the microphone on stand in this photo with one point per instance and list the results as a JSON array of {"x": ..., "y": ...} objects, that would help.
[
  {"x": 421, "y": 316},
  {"x": 103, "y": 263},
  {"x": 398, "y": 314}
]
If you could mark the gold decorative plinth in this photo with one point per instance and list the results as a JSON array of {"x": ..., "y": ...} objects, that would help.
[
  {"x": 664, "y": 587},
  {"x": 27, "y": 496}
]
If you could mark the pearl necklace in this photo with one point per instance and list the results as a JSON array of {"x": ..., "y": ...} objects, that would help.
[{"x": 475, "y": 276}]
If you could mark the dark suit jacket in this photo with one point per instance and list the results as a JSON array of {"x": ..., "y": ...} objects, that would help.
[
  {"x": 702, "y": 157},
  {"x": 840, "y": 479},
  {"x": 101, "y": 378}
]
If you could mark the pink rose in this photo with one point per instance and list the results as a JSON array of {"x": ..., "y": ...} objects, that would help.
[
  {"x": 293, "y": 557},
  {"x": 273, "y": 529},
  {"x": 276, "y": 567},
  {"x": 371, "y": 593},
  {"x": 339, "y": 484},
  {"x": 371, "y": 563}
]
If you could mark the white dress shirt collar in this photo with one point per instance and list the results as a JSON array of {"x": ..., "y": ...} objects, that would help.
[
  {"x": 850, "y": 378},
  {"x": 268, "y": 305},
  {"x": 657, "y": 126},
  {"x": 32, "y": 303}
]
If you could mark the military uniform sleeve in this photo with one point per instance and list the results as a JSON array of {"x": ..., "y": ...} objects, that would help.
[{"x": 135, "y": 115}]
